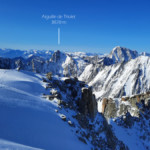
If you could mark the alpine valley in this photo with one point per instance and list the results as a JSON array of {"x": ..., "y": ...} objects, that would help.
[{"x": 74, "y": 100}]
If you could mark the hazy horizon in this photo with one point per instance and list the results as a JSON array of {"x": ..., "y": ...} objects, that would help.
[{"x": 88, "y": 26}]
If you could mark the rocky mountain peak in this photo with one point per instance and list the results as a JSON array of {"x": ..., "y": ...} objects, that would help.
[
  {"x": 145, "y": 54},
  {"x": 122, "y": 54},
  {"x": 57, "y": 56}
]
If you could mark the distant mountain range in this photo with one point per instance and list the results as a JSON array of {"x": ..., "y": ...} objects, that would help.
[
  {"x": 63, "y": 105},
  {"x": 123, "y": 72}
]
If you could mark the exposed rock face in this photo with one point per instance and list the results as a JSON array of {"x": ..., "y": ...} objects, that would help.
[
  {"x": 49, "y": 75},
  {"x": 132, "y": 113},
  {"x": 104, "y": 103},
  {"x": 77, "y": 96},
  {"x": 138, "y": 99},
  {"x": 121, "y": 54},
  {"x": 114, "y": 76},
  {"x": 127, "y": 104},
  {"x": 88, "y": 104},
  {"x": 100, "y": 73},
  {"x": 122, "y": 79},
  {"x": 56, "y": 56},
  {"x": 110, "y": 109},
  {"x": 59, "y": 63}
]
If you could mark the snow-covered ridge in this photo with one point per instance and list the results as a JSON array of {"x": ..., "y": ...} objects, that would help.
[
  {"x": 28, "y": 121},
  {"x": 60, "y": 63},
  {"x": 24, "y": 112},
  {"x": 46, "y": 54},
  {"x": 118, "y": 53},
  {"x": 11, "y": 53},
  {"x": 123, "y": 79},
  {"x": 117, "y": 74}
]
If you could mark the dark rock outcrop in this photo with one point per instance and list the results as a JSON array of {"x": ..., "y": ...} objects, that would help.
[
  {"x": 88, "y": 104},
  {"x": 56, "y": 56},
  {"x": 104, "y": 103},
  {"x": 70, "y": 81}
]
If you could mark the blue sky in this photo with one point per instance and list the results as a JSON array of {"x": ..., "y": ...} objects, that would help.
[{"x": 99, "y": 25}]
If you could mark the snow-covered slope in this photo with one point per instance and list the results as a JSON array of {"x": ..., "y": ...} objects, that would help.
[
  {"x": 7, "y": 145},
  {"x": 121, "y": 73},
  {"x": 123, "y": 79},
  {"x": 28, "y": 121},
  {"x": 133, "y": 131},
  {"x": 110, "y": 75}
]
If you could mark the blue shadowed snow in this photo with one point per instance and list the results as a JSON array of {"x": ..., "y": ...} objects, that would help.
[{"x": 29, "y": 120}]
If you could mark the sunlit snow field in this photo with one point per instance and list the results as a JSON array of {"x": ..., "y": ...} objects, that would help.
[{"x": 28, "y": 121}]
